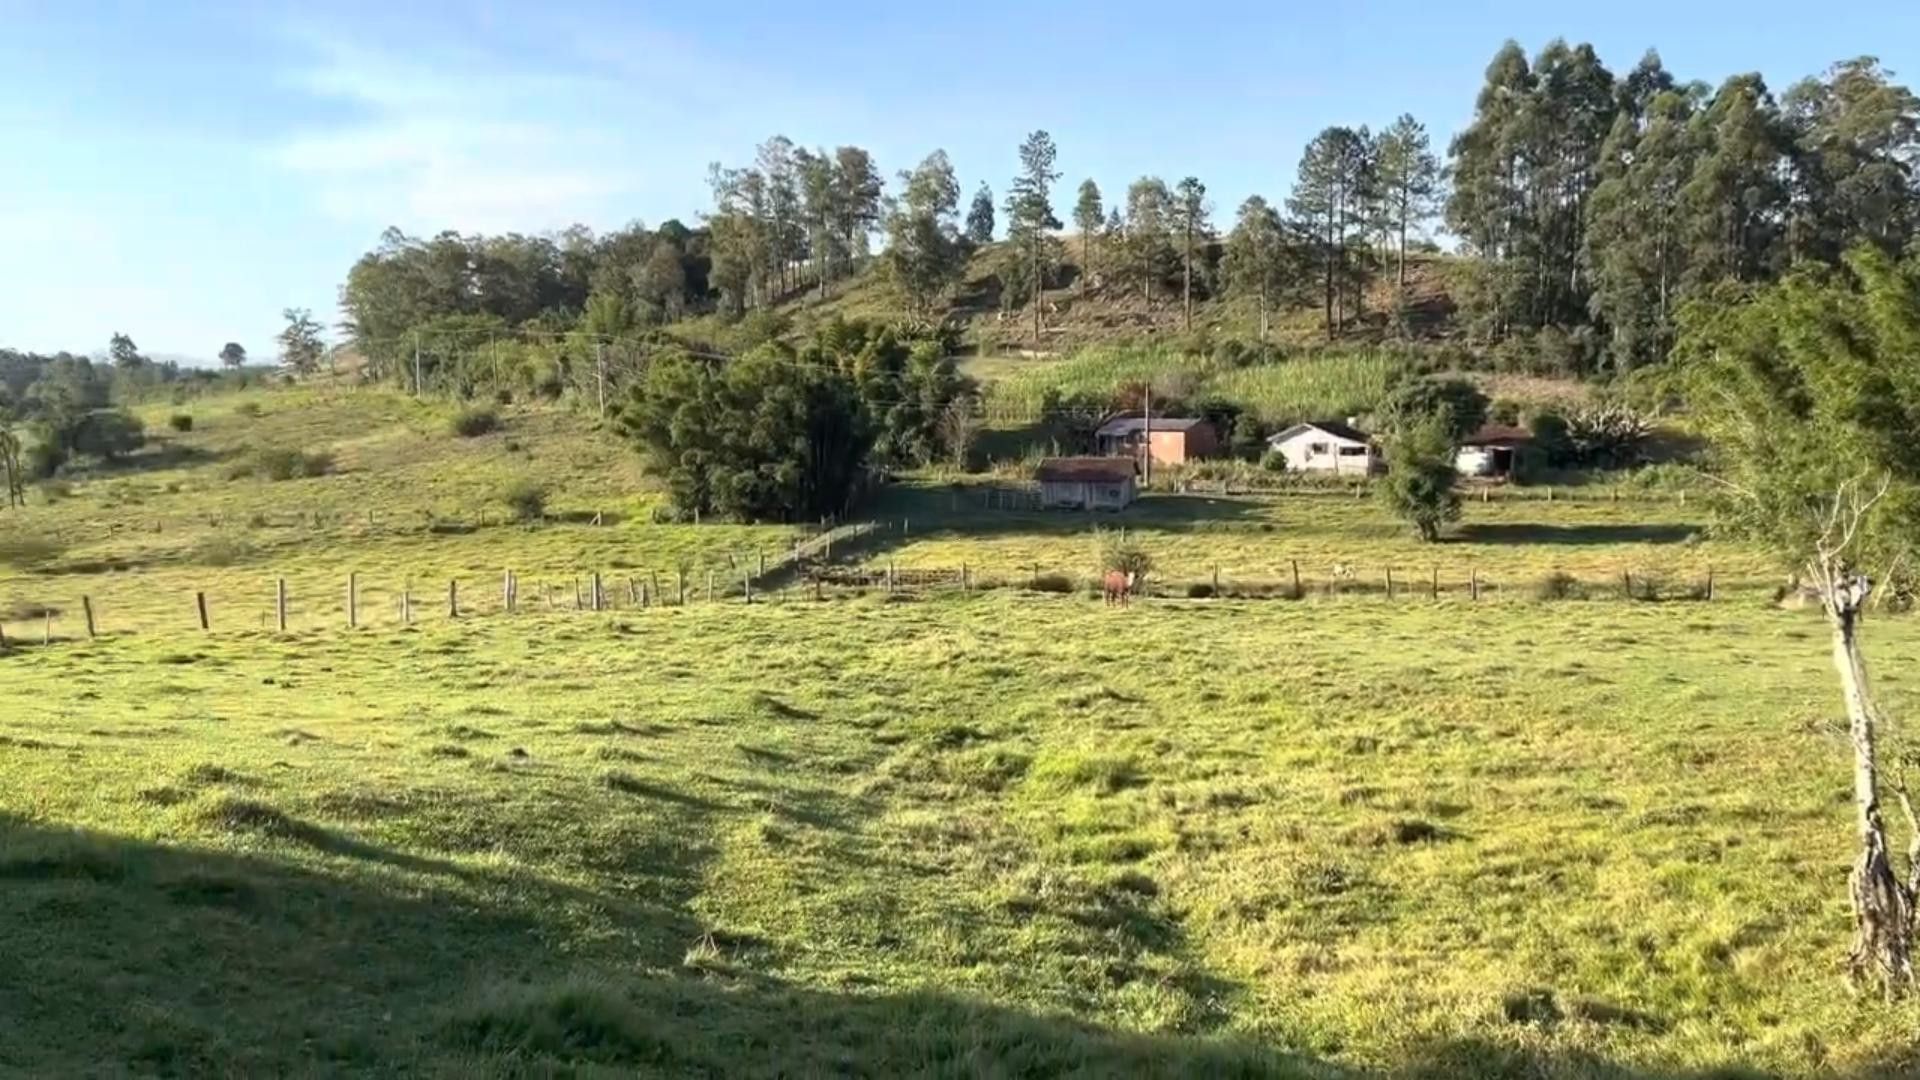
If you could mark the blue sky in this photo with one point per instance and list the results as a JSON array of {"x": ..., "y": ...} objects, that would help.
[{"x": 184, "y": 171}]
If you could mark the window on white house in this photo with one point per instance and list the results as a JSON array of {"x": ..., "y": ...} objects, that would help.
[
  {"x": 1317, "y": 448},
  {"x": 1353, "y": 451}
]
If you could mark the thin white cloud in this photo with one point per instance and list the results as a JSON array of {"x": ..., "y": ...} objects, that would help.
[
  {"x": 618, "y": 121},
  {"x": 453, "y": 139}
]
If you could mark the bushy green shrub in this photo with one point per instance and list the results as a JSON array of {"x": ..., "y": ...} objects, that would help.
[
  {"x": 1052, "y": 583},
  {"x": 180, "y": 422},
  {"x": 473, "y": 423},
  {"x": 526, "y": 499}
]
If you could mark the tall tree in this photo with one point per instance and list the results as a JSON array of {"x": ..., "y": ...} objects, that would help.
[
  {"x": 1408, "y": 175},
  {"x": 856, "y": 199},
  {"x": 1149, "y": 213},
  {"x": 1256, "y": 257},
  {"x": 1809, "y": 394},
  {"x": 300, "y": 345},
  {"x": 1088, "y": 217},
  {"x": 924, "y": 254},
  {"x": 1857, "y": 137},
  {"x": 1486, "y": 210},
  {"x": 1736, "y": 201},
  {"x": 815, "y": 173},
  {"x": 126, "y": 356},
  {"x": 1329, "y": 201},
  {"x": 1191, "y": 205},
  {"x": 1030, "y": 219},
  {"x": 233, "y": 355},
  {"x": 980, "y": 216},
  {"x": 1638, "y": 229},
  {"x": 785, "y": 227}
]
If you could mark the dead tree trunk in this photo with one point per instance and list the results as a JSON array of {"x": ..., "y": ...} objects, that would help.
[{"x": 1882, "y": 903}]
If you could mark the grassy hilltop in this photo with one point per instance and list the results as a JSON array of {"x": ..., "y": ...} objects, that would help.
[{"x": 941, "y": 833}]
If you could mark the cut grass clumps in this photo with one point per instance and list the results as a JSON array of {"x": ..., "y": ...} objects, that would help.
[
  {"x": 251, "y": 817},
  {"x": 1052, "y": 583},
  {"x": 284, "y": 463},
  {"x": 1559, "y": 585},
  {"x": 180, "y": 422},
  {"x": 573, "y": 1021},
  {"x": 473, "y": 423},
  {"x": 1105, "y": 774}
]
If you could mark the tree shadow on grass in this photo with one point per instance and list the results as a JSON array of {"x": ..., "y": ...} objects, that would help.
[
  {"x": 126, "y": 956},
  {"x": 1573, "y": 535}
]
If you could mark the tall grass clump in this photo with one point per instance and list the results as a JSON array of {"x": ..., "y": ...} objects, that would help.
[
  {"x": 473, "y": 423},
  {"x": 1324, "y": 387},
  {"x": 525, "y": 499},
  {"x": 284, "y": 463}
]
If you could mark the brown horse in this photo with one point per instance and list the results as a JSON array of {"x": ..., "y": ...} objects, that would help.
[{"x": 1117, "y": 587}]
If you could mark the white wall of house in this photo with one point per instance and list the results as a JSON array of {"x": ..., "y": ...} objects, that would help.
[
  {"x": 1473, "y": 461},
  {"x": 1104, "y": 495},
  {"x": 1313, "y": 450}
]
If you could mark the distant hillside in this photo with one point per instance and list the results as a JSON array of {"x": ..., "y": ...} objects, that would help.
[{"x": 1083, "y": 310}]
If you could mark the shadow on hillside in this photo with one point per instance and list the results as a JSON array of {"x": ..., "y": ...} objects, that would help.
[
  {"x": 131, "y": 956},
  {"x": 158, "y": 456},
  {"x": 1574, "y": 535}
]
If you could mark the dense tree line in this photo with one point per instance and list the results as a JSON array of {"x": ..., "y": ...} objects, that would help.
[
  {"x": 1596, "y": 205},
  {"x": 1591, "y": 206}
]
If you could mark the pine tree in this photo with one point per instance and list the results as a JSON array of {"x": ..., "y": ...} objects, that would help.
[
  {"x": 1191, "y": 205},
  {"x": 1327, "y": 200},
  {"x": 1409, "y": 179},
  {"x": 1256, "y": 258},
  {"x": 1030, "y": 217},
  {"x": 980, "y": 217},
  {"x": 1087, "y": 217}
]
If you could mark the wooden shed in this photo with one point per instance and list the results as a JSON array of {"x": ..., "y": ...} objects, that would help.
[{"x": 1087, "y": 483}]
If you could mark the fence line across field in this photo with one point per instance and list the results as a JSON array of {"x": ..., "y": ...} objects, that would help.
[{"x": 648, "y": 589}]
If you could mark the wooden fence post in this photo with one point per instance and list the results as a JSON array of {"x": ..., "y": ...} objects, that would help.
[
  {"x": 1389, "y": 582},
  {"x": 453, "y": 598},
  {"x": 966, "y": 583},
  {"x": 746, "y": 586},
  {"x": 280, "y": 604},
  {"x": 406, "y": 603},
  {"x": 86, "y": 606},
  {"x": 3, "y": 638},
  {"x": 1473, "y": 584},
  {"x": 1216, "y": 579},
  {"x": 1434, "y": 592},
  {"x": 1296, "y": 577},
  {"x": 353, "y": 599},
  {"x": 1626, "y": 584},
  {"x": 200, "y": 604},
  {"x": 816, "y": 588},
  {"x": 46, "y": 628},
  {"x": 633, "y": 592},
  {"x": 506, "y": 591},
  {"x": 763, "y": 563},
  {"x": 1709, "y": 582},
  {"x": 576, "y": 594},
  {"x": 683, "y": 586}
]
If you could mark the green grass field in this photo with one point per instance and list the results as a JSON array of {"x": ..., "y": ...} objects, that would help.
[{"x": 1004, "y": 833}]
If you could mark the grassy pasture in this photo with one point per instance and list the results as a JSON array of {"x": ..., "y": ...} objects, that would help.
[
  {"x": 404, "y": 501},
  {"x": 1510, "y": 545},
  {"x": 944, "y": 835},
  {"x": 999, "y": 835}
]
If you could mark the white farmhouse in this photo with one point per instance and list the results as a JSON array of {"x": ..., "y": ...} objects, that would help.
[{"x": 1327, "y": 446}]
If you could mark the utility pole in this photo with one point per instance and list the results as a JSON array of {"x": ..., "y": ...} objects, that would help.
[
  {"x": 416, "y": 363},
  {"x": 1147, "y": 407}
]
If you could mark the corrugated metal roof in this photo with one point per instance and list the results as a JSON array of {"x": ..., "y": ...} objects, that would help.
[
  {"x": 1128, "y": 425},
  {"x": 1086, "y": 470}
]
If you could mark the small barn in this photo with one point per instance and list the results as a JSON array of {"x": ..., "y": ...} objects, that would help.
[
  {"x": 1328, "y": 446},
  {"x": 1170, "y": 440},
  {"x": 1087, "y": 483},
  {"x": 1494, "y": 450}
]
